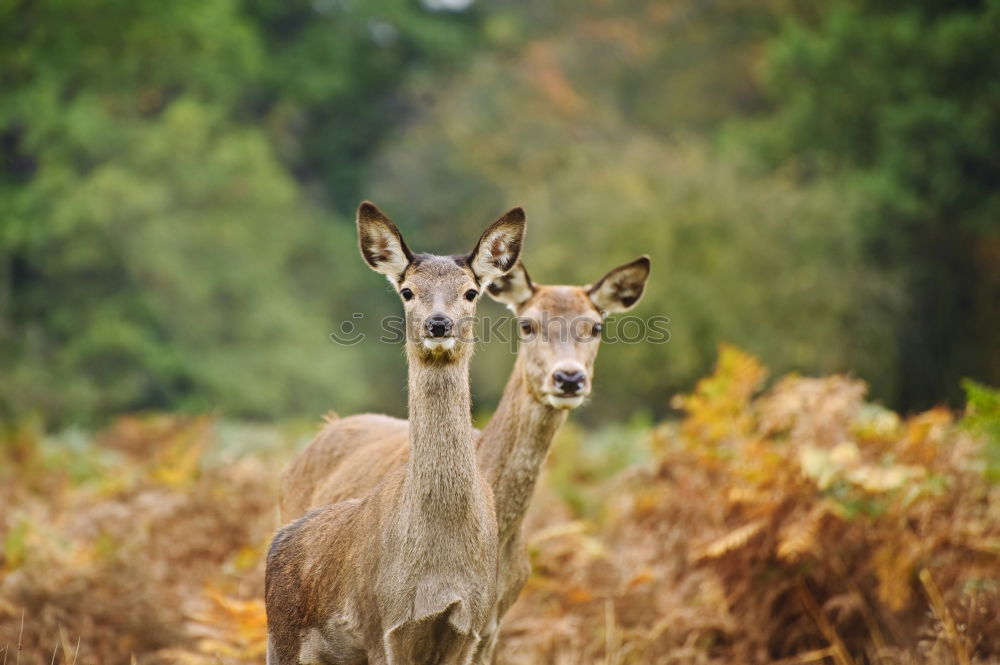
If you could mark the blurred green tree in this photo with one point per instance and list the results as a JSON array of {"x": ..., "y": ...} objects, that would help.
[
  {"x": 330, "y": 87},
  {"x": 900, "y": 101},
  {"x": 152, "y": 249},
  {"x": 176, "y": 179},
  {"x": 757, "y": 259}
]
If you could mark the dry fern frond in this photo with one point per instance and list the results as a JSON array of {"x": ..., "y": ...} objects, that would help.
[
  {"x": 717, "y": 407},
  {"x": 230, "y": 627},
  {"x": 894, "y": 564},
  {"x": 733, "y": 540},
  {"x": 801, "y": 536}
]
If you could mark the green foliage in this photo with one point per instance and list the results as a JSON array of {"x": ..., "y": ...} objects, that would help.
[
  {"x": 815, "y": 183},
  {"x": 334, "y": 70},
  {"x": 759, "y": 260},
  {"x": 152, "y": 245},
  {"x": 583, "y": 461},
  {"x": 983, "y": 417},
  {"x": 898, "y": 100},
  {"x": 927, "y": 78}
]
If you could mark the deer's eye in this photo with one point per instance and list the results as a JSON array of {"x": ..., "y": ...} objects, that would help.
[
  {"x": 407, "y": 294},
  {"x": 596, "y": 330},
  {"x": 527, "y": 328},
  {"x": 471, "y": 294}
]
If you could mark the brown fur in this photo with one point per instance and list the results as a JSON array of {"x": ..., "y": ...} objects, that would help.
[
  {"x": 406, "y": 572},
  {"x": 351, "y": 455}
]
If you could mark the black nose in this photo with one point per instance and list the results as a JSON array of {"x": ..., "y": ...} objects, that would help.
[
  {"x": 569, "y": 383},
  {"x": 437, "y": 325}
]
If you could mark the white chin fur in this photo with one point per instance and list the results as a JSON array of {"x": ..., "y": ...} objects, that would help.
[
  {"x": 557, "y": 402},
  {"x": 439, "y": 343}
]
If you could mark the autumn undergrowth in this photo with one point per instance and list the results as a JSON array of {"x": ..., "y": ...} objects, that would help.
[{"x": 782, "y": 522}]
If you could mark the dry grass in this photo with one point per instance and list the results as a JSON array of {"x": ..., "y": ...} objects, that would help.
[
  {"x": 800, "y": 525},
  {"x": 132, "y": 543}
]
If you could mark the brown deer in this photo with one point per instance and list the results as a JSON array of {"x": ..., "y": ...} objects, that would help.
[
  {"x": 405, "y": 572},
  {"x": 560, "y": 332}
]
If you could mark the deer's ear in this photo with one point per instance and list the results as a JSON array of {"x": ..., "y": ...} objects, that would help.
[
  {"x": 621, "y": 288},
  {"x": 513, "y": 289},
  {"x": 381, "y": 244},
  {"x": 498, "y": 248}
]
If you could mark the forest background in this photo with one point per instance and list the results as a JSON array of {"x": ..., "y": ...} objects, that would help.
[{"x": 816, "y": 185}]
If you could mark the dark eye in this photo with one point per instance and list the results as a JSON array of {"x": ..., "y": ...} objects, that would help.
[
  {"x": 596, "y": 331},
  {"x": 527, "y": 328},
  {"x": 471, "y": 294},
  {"x": 407, "y": 294}
]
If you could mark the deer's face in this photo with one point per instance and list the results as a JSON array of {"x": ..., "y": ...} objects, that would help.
[
  {"x": 439, "y": 293},
  {"x": 560, "y": 327}
]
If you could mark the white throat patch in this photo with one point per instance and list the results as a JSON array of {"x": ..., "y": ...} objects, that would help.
[
  {"x": 557, "y": 402},
  {"x": 439, "y": 343}
]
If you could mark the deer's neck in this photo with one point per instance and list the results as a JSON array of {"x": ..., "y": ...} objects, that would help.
[
  {"x": 442, "y": 474},
  {"x": 513, "y": 447}
]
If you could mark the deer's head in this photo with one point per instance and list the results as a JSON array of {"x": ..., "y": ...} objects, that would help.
[
  {"x": 439, "y": 293},
  {"x": 560, "y": 327}
]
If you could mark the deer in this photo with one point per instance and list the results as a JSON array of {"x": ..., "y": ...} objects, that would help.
[
  {"x": 560, "y": 331},
  {"x": 405, "y": 572}
]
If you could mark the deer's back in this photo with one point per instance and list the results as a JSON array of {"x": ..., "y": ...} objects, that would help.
[{"x": 346, "y": 459}]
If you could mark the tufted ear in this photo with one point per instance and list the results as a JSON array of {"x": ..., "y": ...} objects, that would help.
[
  {"x": 620, "y": 289},
  {"x": 381, "y": 244},
  {"x": 513, "y": 289},
  {"x": 498, "y": 248}
]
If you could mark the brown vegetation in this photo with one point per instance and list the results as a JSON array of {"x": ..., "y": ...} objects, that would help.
[
  {"x": 802, "y": 524},
  {"x": 797, "y": 525}
]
